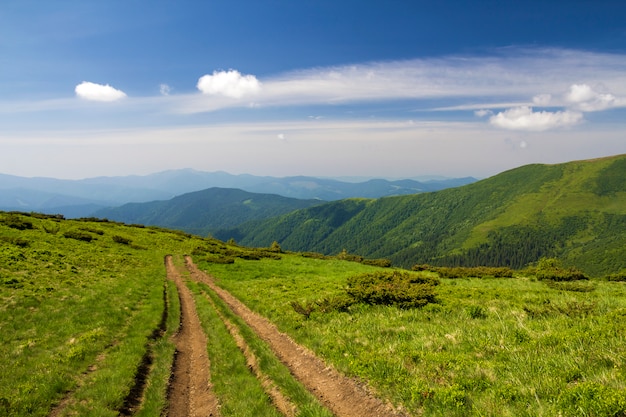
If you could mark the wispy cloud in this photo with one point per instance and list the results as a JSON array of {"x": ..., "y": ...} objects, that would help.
[
  {"x": 98, "y": 92},
  {"x": 517, "y": 89},
  {"x": 525, "y": 77}
]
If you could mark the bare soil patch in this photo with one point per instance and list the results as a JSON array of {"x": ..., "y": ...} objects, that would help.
[{"x": 344, "y": 396}]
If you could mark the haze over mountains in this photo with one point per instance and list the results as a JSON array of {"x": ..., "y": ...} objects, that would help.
[{"x": 82, "y": 198}]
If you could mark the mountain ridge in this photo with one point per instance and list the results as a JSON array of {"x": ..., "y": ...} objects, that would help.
[
  {"x": 575, "y": 210},
  {"x": 56, "y": 196}
]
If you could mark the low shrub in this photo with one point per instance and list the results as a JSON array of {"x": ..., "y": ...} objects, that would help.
[
  {"x": 618, "y": 277},
  {"x": 551, "y": 269},
  {"x": 93, "y": 230},
  {"x": 217, "y": 259},
  {"x": 383, "y": 263},
  {"x": 17, "y": 241},
  {"x": 16, "y": 222},
  {"x": 78, "y": 235},
  {"x": 398, "y": 288},
  {"x": 345, "y": 256},
  {"x": 121, "y": 239}
]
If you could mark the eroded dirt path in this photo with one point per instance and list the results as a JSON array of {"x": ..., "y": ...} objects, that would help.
[
  {"x": 190, "y": 391},
  {"x": 342, "y": 395}
]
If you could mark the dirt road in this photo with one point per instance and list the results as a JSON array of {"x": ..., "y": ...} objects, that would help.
[
  {"x": 190, "y": 391},
  {"x": 342, "y": 395}
]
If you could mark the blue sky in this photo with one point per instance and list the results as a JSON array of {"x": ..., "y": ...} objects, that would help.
[{"x": 392, "y": 89}]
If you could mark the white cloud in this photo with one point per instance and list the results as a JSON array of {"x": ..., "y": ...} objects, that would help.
[
  {"x": 584, "y": 98},
  {"x": 483, "y": 113},
  {"x": 98, "y": 92},
  {"x": 229, "y": 83},
  {"x": 542, "y": 99},
  {"x": 524, "y": 118},
  {"x": 502, "y": 80},
  {"x": 164, "y": 89}
]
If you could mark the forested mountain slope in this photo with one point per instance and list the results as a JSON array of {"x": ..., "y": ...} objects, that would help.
[
  {"x": 575, "y": 211},
  {"x": 201, "y": 212}
]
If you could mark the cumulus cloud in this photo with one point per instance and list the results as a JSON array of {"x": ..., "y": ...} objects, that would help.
[
  {"x": 584, "y": 98},
  {"x": 524, "y": 118},
  {"x": 229, "y": 83},
  {"x": 98, "y": 92}
]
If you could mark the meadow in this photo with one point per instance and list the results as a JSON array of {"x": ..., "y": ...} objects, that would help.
[
  {"x": 87, "y": 316},
  {"x": 488, "y": 346}
]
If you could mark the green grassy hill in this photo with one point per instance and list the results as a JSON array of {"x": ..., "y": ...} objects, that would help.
[
  {"x": 86, "y": 311},
  {"x": 575, "y": 211}
]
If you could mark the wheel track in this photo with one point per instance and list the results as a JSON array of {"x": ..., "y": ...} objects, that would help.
[
  {"x": 190, "y": 392},
  {"x": 281, "y": 402},
  {"x": 342, "y": 395}
]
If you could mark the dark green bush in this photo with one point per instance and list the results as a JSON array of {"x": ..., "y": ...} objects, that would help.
[
  {"x": 345, "y": 256},
  {"x": 398, "y": 288},
  {"x": 383, "y": 263},
  {"x": 551, "y": 269},
  {"x": 78, "y": 235},
  {"x": 121, "y": 239},
  {"x": 619, "y": 277},
  {"x": 17, "y": 241},
  {"x": 217, "y": 259},
  {"x": 93, "y": 230},
  {"x": 17, "y": 222}
]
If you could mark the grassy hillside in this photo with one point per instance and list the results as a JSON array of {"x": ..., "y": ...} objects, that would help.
[
  {"x": 575, "y": 211},
  {"x": 86, "y": 312},
  {"x": 202, "y": 212}
]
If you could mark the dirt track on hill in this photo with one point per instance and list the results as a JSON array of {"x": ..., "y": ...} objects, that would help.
[
  {"x": 190, "y": 391},
  {"x": 343, "y": 396}
]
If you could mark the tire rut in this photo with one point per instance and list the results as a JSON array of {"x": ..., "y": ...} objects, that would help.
[
  {"x": 190, "y": 392},
  {"x": 281, "y": 402},
  {"x": 340, "y": 394}
]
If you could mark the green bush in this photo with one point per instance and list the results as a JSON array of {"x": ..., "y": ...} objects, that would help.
[
  {"x": 17, "y": 241},
  {"x": 78, "y": 235},
  {"x": 618, "y": 277},
  {"x": 383, "y": 263},
  {"x": 592, "y": 399},
  {"x": 16, "y": 222},
  {"x": 217, "y": 259},
  {"x": 398, "y": 288},
  {"x": 551, "y": 269},
  {"x": 121, "y": 239}
]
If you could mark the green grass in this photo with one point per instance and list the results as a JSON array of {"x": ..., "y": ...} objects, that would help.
[
  {"x": 163, "y": 356},
  {"x": 77, "y": 317},
  {"x": 240, "y": 393},
  {"x": 270, "y": 365},
  {"x": 490, "y": 347}
]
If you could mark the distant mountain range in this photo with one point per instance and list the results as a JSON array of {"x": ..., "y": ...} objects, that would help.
[
  {"x": 575, "y": 211},
  {"x": 83, "y": 198}
]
